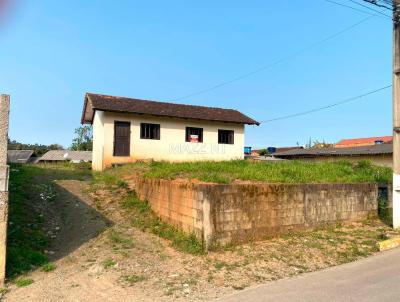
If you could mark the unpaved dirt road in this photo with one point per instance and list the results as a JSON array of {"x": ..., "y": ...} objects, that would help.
[{"x": 76, "y": 225}]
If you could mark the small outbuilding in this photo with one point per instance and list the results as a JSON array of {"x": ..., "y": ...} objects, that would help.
[
  {"x": 380, "y": 155},
  {"x": 56, "y": 156},
  {"x": 19, "y": 156},
  {"x": 127, "y": 129}
]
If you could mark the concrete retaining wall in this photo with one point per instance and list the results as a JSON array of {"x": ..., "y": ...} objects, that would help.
[
  {"x": 175, "y": 202},
  {"x": 240, "y": 212},
  {"x": 254, "y": 211}
]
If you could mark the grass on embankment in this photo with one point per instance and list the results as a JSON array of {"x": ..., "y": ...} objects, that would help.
[
  {"x": 141, "y": 215},
  {"x": 31, "y": 190},
  {"x": 273, "y": 172}
]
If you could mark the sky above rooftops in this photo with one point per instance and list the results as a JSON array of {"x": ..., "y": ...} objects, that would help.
[{"x": 53, "y": 52}]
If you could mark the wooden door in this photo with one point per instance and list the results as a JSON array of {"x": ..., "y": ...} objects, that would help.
[{"x": 122, "y": 138}]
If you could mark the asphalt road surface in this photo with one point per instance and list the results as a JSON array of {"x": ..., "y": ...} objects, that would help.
[{"x": 376, "y": 278}]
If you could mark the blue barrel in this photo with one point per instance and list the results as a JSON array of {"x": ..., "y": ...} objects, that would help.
[
  {"x": 271, "y": 150},
  {"x": 247, "y": 150}
]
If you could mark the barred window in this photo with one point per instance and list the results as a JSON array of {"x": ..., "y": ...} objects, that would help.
[
  {"x": 226, "y": 137},
  {"x": 149, "y": 131}
]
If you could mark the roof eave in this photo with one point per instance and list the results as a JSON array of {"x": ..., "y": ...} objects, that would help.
[{"x": 84, "y": 121}]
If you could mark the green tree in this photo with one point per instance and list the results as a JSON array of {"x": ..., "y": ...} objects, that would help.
[
  {"x": 38, "y": 149},
  {"x": 263, "y": 152},
  {"x": 83, "y": 140}
]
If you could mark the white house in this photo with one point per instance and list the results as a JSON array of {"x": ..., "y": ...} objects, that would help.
[{"x": 126, "y": 130}]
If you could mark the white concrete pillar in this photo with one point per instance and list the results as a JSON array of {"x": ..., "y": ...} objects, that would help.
[{"x": 4, "y": 120}]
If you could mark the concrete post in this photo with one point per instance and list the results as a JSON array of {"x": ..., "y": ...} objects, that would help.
[
  {"x": 396, "y": 115},
  {"x": 4, "y": 117}
]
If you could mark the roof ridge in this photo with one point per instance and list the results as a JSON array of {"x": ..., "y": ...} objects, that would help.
[
  {"x": 157, "y": 101},
  {"x": 103, "y": 102}
]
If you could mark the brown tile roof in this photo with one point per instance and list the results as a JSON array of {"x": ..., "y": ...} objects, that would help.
[
  {"x": 95, "y": 102},
  {"x": 366, "y": 141}
]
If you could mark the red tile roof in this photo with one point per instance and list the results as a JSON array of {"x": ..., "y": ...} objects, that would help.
[
  {"x": 101, "y": 102},
  {"x": 367, "y": 141}
]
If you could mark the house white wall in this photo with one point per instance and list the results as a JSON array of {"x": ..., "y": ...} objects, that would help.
[{"x": 171, "y": 146}]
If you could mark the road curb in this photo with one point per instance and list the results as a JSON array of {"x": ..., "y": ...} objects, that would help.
[{"x": 389, "y": 244}]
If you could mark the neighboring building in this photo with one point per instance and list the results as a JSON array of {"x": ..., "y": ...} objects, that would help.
[
  {"x": 126, "y": 130},
  {"x": 380, "y": 155},
  {"x": 273, "y": 150},
  {"x": 55, "y": 156},
  {"x": 19, "y": 156},
  {"x": 367, "y": 141}
]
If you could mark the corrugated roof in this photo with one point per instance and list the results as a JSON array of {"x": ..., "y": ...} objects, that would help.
[
  {"x": 19, "y": 156},
  {"x": 279, "y": 149},
  {"x": 363, "y": 141},
  {"x": 101, "y": 102},
  {"x": 354, "y": 151},
  {"x": 67, "y": 155}
]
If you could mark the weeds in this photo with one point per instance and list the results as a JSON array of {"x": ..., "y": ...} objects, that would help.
[
  {"x": 48, "y": 267},
  {"x": 384, "y": 212},
  {"x": 143, "y": 217},
  {"x": 23, "y": 282},
  {"x": 132, "y": 279},
  {"x": 284, "y": 172},
  {"x": 30, "y": 186},
  {"x": 119, "y": 239},
  {"x": 108, "y": 263}
]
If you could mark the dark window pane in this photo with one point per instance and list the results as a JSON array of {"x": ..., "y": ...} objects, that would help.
[
  {"x": 226, "y": 137},
  {"x": 149, "y": 131}
]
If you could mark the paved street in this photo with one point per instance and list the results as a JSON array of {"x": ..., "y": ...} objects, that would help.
[{"x": 373, "y": 279}]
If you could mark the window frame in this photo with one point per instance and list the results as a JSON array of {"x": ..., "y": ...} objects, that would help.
[
  {"x": 143, "y": 131},
  {"x": 187, "y": 129},
  {"x": 228, "y": 134}
]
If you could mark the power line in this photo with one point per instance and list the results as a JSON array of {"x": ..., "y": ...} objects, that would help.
[
  {"x": 376, "y": 2},
  {"x": 370, "y": 8},
  {"x": 351, "y": 7},
  {"x": 277, "y": 62},
  {"x": 327, "y": 106},
  {"x": 357, "y": 9}
]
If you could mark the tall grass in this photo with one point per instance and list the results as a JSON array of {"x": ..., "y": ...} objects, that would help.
[{"x": 275, "y": 172}]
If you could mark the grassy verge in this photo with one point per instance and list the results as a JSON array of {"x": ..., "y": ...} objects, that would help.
[
  {"x": 276, "y": 172},
  {"x": 142, "y": 216},
  {"x": 31, "y": 189}
]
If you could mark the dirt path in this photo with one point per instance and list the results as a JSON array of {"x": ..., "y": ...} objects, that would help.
[{"x": 75, "y": 226}]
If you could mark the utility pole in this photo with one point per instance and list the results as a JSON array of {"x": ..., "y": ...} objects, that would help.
[
  {"x": 396, "y": 115},
  {"x": 4, "y": 112}
]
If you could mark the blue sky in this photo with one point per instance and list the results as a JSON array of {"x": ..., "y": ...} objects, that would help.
[{"x": 52, "y": 52}]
